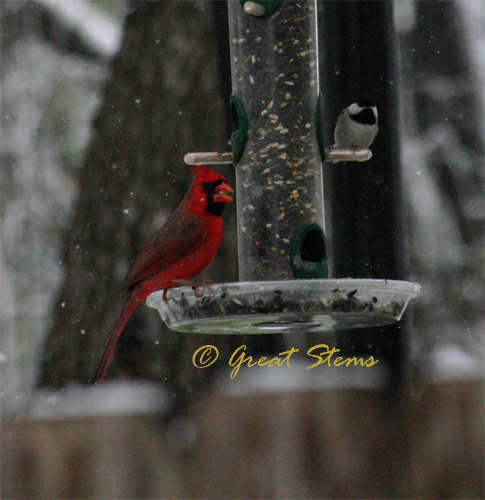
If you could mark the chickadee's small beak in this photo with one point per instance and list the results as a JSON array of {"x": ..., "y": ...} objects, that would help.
[{"x": 222, "y": 194}]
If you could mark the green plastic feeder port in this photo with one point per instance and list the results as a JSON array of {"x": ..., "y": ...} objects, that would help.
[
  {"x": 308, "y": 256},
  {"x": 239, "y": 128}
]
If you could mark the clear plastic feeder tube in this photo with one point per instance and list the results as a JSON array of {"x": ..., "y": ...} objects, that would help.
[{"x": 274, "y": 62}]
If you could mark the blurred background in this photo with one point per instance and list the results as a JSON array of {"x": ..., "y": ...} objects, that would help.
[{"x": 101, "y": 100}]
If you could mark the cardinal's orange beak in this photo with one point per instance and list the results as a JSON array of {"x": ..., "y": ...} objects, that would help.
[{"x": 222, "y": 193}]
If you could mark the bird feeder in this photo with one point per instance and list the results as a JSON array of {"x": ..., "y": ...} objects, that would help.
[{"x": 278, "y": 151}]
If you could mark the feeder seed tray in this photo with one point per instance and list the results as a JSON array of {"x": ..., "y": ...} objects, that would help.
[{"x": 303, "y": 306}]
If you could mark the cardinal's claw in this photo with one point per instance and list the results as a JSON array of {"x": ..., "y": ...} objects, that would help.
[{"x": 164, "y": 296}]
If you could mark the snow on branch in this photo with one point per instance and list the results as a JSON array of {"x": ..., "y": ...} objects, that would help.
[{"x": 95, "y": 28}]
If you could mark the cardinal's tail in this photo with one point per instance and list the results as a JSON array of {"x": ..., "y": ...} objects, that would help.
[{"x": 130, "y": 306}]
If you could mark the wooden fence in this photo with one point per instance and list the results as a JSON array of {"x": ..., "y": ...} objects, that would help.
[{"x": 294, "y": 443}]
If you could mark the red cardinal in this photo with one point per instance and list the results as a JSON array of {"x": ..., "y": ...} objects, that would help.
[{"x": 181, "y": 249}]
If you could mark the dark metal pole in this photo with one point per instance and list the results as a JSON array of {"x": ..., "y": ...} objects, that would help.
[{"x": 367, "y": 210}]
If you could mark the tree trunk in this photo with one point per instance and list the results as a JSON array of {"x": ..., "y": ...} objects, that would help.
[
  {"x": 161, "y": 102},
  {"x": 444, "y": 128}
]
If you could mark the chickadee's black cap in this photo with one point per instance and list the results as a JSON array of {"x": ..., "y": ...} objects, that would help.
[{"x": 366, "y": 101}]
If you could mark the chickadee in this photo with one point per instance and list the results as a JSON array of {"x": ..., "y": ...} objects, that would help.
[{"x": 356, "y": 125}]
